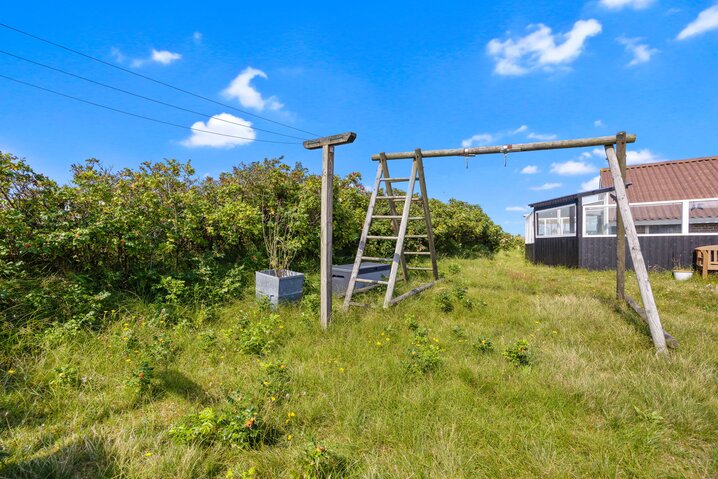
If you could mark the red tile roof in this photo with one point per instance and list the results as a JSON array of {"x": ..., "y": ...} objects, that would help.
[{"x": 670, "y": 180}]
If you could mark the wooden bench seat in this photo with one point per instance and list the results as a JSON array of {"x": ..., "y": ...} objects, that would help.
[{"x": 707, "y": 259}]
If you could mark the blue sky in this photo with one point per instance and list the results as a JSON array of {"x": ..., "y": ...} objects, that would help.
[{"x": 401, "y": 75}]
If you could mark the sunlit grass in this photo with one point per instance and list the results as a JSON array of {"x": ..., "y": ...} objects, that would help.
[{"x": 594, "y": 401}]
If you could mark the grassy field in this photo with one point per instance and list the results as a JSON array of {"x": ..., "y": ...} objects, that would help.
[{"x": 416, "y": 391}]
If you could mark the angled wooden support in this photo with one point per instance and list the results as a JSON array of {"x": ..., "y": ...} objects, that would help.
[
  {"x": 671, "y": 342},
  {"x": 639, "y": 265},
  {"x": 327, "y": 145},
  {"x": 620, "y": 230}
]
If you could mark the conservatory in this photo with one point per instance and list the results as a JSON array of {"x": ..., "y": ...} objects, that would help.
[{"x": 672, "y": 218}]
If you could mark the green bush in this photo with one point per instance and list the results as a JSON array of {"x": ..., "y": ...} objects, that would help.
[
  {"x": 484, "y": 345},
  {"x": 261, "y": 334},
  {"x": 519, "y": 353},
  {"x": 319, "y": 462},
  {"x": 236, "y": 426},
  {"x": 424, "y": 353},
  {"x": 443, "y": 301},
  {"x": 160, "y": 232}
]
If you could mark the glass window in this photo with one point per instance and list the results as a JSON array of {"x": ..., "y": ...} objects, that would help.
[
  {"x": 703, "y": 216},
  {"x": 556, "y": 222},
  {"x": 659, "y": 219},
  {"x": 600, "y": 220}
]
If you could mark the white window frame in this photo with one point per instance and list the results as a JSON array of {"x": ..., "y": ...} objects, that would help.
[
  {"x": 685, "y": 217},
  {"x": 556, "y": 208}
]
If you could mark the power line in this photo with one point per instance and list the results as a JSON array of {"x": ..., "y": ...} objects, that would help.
[
  {"x": 142, "y": 116},
  {"x": 160, "y": 82},
  {"x": 141, "y": 96}
]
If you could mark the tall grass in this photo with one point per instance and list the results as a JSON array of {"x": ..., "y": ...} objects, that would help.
[{"x": 593, "y": 401}]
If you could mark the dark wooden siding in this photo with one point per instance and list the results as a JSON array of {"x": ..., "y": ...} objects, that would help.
[
  {"x": 529, "y": 252},
  {"x": 658, "y": 251},
  {"x": 561, "y": 251}
]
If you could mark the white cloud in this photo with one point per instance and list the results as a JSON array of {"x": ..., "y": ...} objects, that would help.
[
  {"x": 163, "y": 57},
  {"x": 539, "y": 49},
  {"x": 641, "y": 52},
  {"x": 620, "y": 4},
  {"x": 707, "y": 20},
  {"x": 542, "y": 136},
  {"x": 546, "y": 186},
  {"x": 247, "y": 95},
  {"x": 117, "y": 55},
  {"x": 529, "y": 170},
  {"x": 592, "y": 184},
  {"x": 224, "y": 124},
  {"x": 595, "y": 153},
  {"x": 634, "y": 157},
  {"x": 571, "y": 168},
  {"x": 517, "y": 208},
  {"x": 478, "y": 139},
  {"x": 520, "y": 129},
  {"x": 197, "y": 37},
  {"x": 598, "y": 124}
]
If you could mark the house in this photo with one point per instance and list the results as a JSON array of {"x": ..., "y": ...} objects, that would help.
[{"x": 674, "y": 206}]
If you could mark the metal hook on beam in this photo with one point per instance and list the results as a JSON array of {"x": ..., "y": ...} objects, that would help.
[{"x": 505, "y": 150}]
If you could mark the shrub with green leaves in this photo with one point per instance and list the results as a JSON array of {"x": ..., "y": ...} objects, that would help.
[
  {"x": 161, "y": 349},
  {"x": 484, "y": 345},
  {"x": 319, "y": 462},
  {"x": 207, "y": 340},
  {"x": 238, "y": 472},
  {"x": 275, "y": 380},
  {"x": 261, "y": 334},
  {"x": 424, "y": 355},
  {"x": 519, "y": 353},
  {"x": 142, "y": 380},
  {"x": 66, "y": 376},
  {"x": 443, "y": 301},
  {"x": 235, "y": 426},
  {"x": 161, "y": 232}
]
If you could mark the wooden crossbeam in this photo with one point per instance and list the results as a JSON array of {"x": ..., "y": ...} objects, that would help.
[
  {"x": 485, "y": 150},
  {"x": 341, "y": 139}
]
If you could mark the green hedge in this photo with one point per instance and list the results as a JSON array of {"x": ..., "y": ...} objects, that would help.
[{"x": 158, "y": 231}]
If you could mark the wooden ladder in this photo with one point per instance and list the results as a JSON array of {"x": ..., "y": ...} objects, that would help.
[{"x": 399, "y": 225}]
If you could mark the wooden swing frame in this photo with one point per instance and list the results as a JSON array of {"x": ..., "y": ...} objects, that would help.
[{"x": 615, "y": 148}]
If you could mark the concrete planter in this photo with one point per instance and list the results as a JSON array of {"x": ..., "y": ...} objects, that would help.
[{"x": 279, "y": 285}]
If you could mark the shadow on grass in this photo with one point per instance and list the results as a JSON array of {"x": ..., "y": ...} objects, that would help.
[
  {"x": 87, "y": 457},
  {"x": 630, "y": 316},
  {"x": 178, "y": 384}
]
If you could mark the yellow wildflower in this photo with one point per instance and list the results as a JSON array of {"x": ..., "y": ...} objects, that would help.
[
  {"x": 148, "y": 454},
  {"x": 10, "y": 372}
]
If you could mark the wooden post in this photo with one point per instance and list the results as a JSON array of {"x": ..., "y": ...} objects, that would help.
[
  {"x": 427, "y": 213},
  {"x": 327, "y": 145},
  {"x": 644, "y": 285},
  {"x": 620, "y": 230},
  {"x": 325, "y": 259}
]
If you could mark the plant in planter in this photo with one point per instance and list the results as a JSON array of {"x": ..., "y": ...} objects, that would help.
[
  {"x": 279, "y": 283},
  {"x": 681, "y": 272}
]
